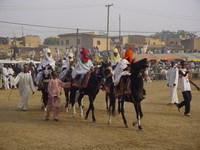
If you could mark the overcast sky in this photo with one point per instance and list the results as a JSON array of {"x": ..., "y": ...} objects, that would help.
[{"x": 136, "y": 15}]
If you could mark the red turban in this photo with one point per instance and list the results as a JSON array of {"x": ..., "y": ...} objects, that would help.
[{"x": 84, "y": 55}]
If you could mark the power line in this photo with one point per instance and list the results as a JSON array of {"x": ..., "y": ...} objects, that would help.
[
  {"x": 148, "y": 12},
  {"x": 94, "y": 30}
]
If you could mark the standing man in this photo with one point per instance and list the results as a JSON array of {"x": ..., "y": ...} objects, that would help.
[
  {"x": 25, "y": 83},
  {"x": 172, "y": 83},
  {"x": 5, "y": 77},
  {"x": 185, "y": 89}
]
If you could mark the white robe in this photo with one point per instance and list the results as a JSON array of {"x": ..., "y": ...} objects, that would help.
[
  {"x": 45, "y": 62},
  {"x": 25, "y": 83},
  {"x": 42, "y": 65},
  {"x": 118, "y": 72},
  {"x": 172, "y": 78},
  {"x": 5, "y": 78},
  {"x": 11, "y": 78},
  {"x": 81, "y": 68}
]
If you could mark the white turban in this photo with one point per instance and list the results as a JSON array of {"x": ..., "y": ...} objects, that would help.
[
  {"x": 47, "y": 50},
  {"x": 70, "y": 55}
]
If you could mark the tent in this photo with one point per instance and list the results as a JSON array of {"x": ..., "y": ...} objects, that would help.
[{"x": 169, "y": 57}]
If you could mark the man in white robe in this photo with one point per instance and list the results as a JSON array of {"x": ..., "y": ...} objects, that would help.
[
  {"x": 11, "y": 77},
  {"x": 47, "y": 60},
  {"x": 172, "y": 83},
  {"x": 83, "y": 66},
  {"x": 66, "y": 65},
  {"x": 25, "y": 83},
  {"x": 5, "y": 77},
  {"x": 122, "y": 65}
]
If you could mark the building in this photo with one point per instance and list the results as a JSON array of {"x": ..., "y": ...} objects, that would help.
[
  {"x": 4, "y": 40},
  {"x": 77, "y": 40},
  {"x": 191, "y": 44},
  {"x": 100, "y": 41}
]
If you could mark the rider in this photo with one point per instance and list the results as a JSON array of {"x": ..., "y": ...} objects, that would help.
[
  {"x": 45, "y": 68},
  {"x": 115, "y": 57},
  {"x": 122, "y": 67},
  {"x": 67, "y": 64},
  {"x": 83, "y": 66}
]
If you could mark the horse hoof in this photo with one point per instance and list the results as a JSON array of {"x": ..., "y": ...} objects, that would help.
[
  {"x": 126, "y": 126},
  {"x": 134, "y": 123},
  {"x": 140, "y": 128}
]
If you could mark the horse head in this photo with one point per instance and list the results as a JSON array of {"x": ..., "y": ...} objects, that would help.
[{"x": 139, "y": 67}]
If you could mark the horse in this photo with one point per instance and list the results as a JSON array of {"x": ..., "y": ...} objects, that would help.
[
  {"x": 135, "y": 96},
  {"x": 42, "y": 80},
  {"x": 92, "y": 89},
  {"x": 65, "y": 76}
]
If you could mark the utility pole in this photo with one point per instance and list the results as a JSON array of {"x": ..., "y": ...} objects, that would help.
[
  {"x": 76, "y": 53},
  {"x": 108, "y": 26},
  {"x": 22, "y": 31},
  {"x": 77, "y": 38},
  {"x": 120, "y": 33}
]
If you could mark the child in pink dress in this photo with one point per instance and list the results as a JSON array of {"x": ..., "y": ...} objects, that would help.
[{"x": 54, "y": 88}]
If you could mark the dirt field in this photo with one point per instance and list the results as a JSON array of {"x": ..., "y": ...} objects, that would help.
[{"x": 163, "y": 126}]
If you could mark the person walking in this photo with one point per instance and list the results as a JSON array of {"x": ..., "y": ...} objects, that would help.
[
  {"x": 172, "y": 83},
  {"x": 25, "y": 83},
  {"x": 185, "y": 89},
  {"x": 54, "y": 89}
]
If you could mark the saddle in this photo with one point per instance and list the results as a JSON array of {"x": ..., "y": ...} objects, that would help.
[
  {"x": 124, "y": 87},
  {"x": 84, "y": 82}
]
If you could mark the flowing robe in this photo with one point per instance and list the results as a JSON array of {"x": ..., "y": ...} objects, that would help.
[
  {"x": 172, "y": 78},
  {"x": 118, "y": 72},
  {"x": 25, "y": 83},
  {"x": 82, "y": 68}
]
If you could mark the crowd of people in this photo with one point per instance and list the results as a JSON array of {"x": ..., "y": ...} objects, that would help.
[{"x": 49, "y": 74}]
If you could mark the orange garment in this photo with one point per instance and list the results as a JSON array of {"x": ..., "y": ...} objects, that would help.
[{"x": 129, "y": 54}]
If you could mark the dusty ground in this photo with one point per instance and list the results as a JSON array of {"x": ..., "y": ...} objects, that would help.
[{"x": 163, "y": 126}]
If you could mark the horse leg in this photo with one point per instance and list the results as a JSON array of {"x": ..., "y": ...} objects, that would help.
[
  {"x": 88, "y": 111},
  {"x": 119, "y": 105},
  {"x": 72, "y": 99},
  {"x": 106, "y": 101},
  {"x": 80, "y": 104},
  {"x": 109, "y": 113},
  {"x": 91, "y": 98},
  {"x": 67, "y": 99},
  {"x": 136, "y": 104},
  {"x": 122, "y": 112},
  {"x": 140, "y": 110}
]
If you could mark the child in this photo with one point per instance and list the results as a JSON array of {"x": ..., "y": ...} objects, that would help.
[{"x": 54, "y": 89}]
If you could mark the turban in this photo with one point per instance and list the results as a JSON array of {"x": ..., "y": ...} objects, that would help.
[
  {"x": 129, "y": 54},
  {"x": 84, "y": 55},
  {"x": 115, "y": 58}
]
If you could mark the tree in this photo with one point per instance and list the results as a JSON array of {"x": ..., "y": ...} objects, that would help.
[
  {"x": 179, "y": 34},
  {"x": 51, "y": 41}
]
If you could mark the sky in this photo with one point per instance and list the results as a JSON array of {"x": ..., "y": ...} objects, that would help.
[{"x": 138, "y": 17}]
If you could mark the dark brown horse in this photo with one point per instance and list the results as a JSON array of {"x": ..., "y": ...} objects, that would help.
[
  {"x": 136, "y": 95},
  {"x": 91, "y": 90}
]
